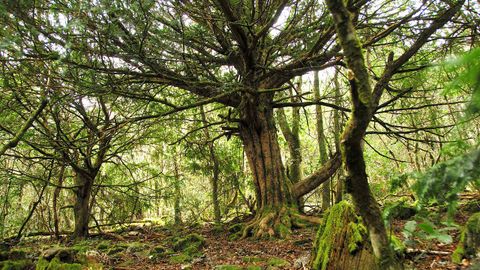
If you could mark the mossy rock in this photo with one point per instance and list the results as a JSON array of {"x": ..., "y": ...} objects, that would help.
[
  {"x": 185, "y": 242},
  {"x": 469, "y": 245},
  {"x": 180, "y": 258},
  {"x": 56, "y": 264},
  {"x": 190, "y": 244},
  {"x": 251, "y": 259},
  {"x": 277, "y": 262},
  {"x": 159, "y": 252},
  {"x": 16, "y": 264},
  {"x": 137, "y": 247},
  {"x": 342, "y": 242},
  {"x": 65, "y": 255}
]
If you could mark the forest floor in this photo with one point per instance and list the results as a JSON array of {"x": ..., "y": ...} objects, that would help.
[{"x": 144, "y": 246}]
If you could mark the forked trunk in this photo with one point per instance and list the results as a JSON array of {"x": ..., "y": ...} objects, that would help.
[{"x": 84, "y": 184}]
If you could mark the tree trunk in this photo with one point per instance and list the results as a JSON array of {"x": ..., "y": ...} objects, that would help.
[
  {"x": 322, "y": 144},
  {"x": 177, "y": 211},
  {"x": 275, "y": 202},
  {"x": 56, "y": 194},
  {"x": 363, "y": 104},
  {"x": 83, "y": 191},
  {"x": 337, "y": 132},
  {"x": 292, "y": 136},
  {"x": 342, "y": 242},
  {"x": 215, "y": 166}
]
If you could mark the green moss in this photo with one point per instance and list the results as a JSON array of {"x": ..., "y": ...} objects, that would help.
[
  {"x": 104, "y": 245},
  {"x": 56, "y": 264},
  {"x": 237, "y": 267},
  {"x": 190, "y": 244},
  {"x": 16, "y": 265},
  {"x": 17, "y": 254},
  {"x": 357, "y": 233},
  {"x": 180, "y": 258},
  {"x": 82, "y": 246},
  {"x": 283, "y": 231},
  {"x": 334, "y": 223},
  {"x": 136, "y": 247},
  {"x": 249, "y": 259},
  {"x": 458, "y": 254},
  {"x": 469, "y": 243},
  {"x": 115, "y": 250},
  {"x": 158, "y": 252},
  {"x": 277, "y": 262},
  {"x": 397, "y": 245},
  {"x": 228, "y": 267},
  {"x": 325, "y": 234},
  {"x": 235, "y": 228}
]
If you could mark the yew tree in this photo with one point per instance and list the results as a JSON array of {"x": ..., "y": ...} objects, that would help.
[{"x": 233, "y": 52}]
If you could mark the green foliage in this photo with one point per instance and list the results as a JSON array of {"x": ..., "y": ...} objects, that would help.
[
  {"x": 467, "y": 69},
  {"x": 15, "y": 264},
  {"x": 56, "y": 264},
  {"x": 400, "y": 209},
  {"x": 425, "y": 230},
  {"x": 445, "y": 180}
]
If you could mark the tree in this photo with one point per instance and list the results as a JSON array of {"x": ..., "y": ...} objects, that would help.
[
  {"x": 238, "y": 54},
  {"x": 364, "y": 102}
]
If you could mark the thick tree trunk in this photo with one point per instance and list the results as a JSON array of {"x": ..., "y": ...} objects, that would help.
[
  {"x": 84, "y": 182},
  {"x": 342, "y": 242},
  {"x": 275, "y": 202}
]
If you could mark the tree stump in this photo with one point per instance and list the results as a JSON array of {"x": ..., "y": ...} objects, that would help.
[
  {"x": 342, "y": 242},
  {"x": 469, "y": 245}
]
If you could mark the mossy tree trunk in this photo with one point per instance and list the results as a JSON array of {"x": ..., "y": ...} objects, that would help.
[
  {"x": 337, "y": 132},
  {"x": 56, "y": 195},
  {"x": 84, "y": 180},
  {"x": 364, "y": 102},
  {"x": 342, "y": 242},
  {"x": 177, "y": 196},
  {"x": 321, "y": 140},
  {"x": 275, "y": 201},
  {"x": 292, "y": 136},
  {"x": 215, "y": 167}
]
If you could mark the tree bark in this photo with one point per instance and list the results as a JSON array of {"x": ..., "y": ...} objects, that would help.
[
  {"x": 273, "y": 189},
  {"x": 352, "y": 137},
  {"x": 325, "y": 191},
  {"x": 215, "y": 166},
  {"x": 342, "y": 242},
  {"x": 56, "y": 194},
  {"x": 84, "y": 183},
  {"x": 337, "y": 132},
  {"x": 177, "y": 211}
]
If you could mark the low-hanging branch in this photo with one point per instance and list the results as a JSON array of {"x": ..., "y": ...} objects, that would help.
[{"x": 19, "y": 135}]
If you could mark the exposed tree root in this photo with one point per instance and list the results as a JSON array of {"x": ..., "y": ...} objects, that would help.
[{"x": 273, "y": 223}]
